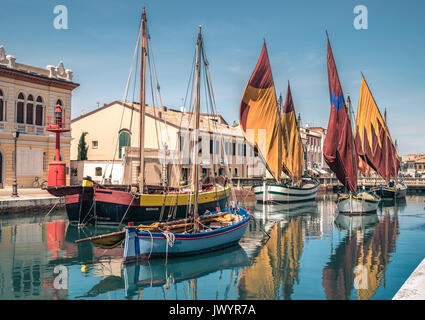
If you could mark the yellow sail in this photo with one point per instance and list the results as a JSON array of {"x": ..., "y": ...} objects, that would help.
[
  {"x": 292, "y": 147},
  {"x": 258, "y": 114}
]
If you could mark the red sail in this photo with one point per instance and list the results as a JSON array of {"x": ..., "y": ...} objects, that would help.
[
  {"x": 338, "y": 149},
  {"x": 373, "y": 140}
]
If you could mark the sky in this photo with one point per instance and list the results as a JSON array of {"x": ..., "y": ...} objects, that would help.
[{"x": 99, "y": 43}]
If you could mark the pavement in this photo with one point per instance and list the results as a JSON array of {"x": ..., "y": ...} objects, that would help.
[
  {"x": 414, "y": 287},
  {"x": 24, "y": 193},
  {"x": 28, "y": 200}
]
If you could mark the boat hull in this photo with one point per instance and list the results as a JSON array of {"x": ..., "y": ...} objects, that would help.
[
  {"x": 115, "y": 206},
  {"x": 390, "y": 193},
  {"x": 283, "y": 193},
  {"x": 145, "y": 245},
  {"x": 352, "y": 205}
]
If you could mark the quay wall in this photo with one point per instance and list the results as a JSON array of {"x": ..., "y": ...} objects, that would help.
[{"x": 27, "y": 205}]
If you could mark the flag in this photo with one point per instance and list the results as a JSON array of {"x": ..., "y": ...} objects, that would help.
[
  {"x": 258, "y": 112},
  {"x": 339, "y": 149}
]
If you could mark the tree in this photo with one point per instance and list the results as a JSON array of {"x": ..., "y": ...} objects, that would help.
[{"x": 82, "y": 147}]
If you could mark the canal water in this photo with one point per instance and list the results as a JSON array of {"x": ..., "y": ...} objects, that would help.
[{"x": 303, "y": 251}]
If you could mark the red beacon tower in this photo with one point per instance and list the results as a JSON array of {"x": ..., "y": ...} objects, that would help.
[{"x": 57, "y": 168}]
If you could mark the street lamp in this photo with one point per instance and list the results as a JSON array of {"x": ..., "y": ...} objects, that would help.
[{"x": 15, "y": 135}]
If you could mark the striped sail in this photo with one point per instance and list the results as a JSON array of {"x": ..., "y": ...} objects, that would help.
[
  {"x": 259, "y": 116},
  {"x": 372, "y": 137},
  {"x": 292, "y": 147}
]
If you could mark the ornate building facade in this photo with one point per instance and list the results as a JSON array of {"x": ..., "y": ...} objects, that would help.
[{"x": 28, "y": 96}]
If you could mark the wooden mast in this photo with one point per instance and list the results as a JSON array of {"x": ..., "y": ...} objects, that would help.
[
  {"x": 279, "y": 152},
  {"x": 197, "y": 120},
  {"x": 142, "y": 104}
]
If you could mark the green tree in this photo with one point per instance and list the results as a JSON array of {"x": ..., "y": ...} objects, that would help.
[{"x": 82, "y": 147}]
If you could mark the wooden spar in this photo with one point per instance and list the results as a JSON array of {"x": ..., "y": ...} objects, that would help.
[
  {"x": 279, "y": 146},
  {"x": 142, "y": 104},
  {"x": 175, "y": 224},
  {"x": 101, "y": 236},
  {"x": 197, "y": 119},
  {"x": 353, "y": 145}
]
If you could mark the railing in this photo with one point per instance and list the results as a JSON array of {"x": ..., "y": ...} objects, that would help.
[{"x": 331, "y": 181}]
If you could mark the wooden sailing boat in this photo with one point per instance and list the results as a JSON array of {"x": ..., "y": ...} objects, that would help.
[
  {"x": 339, "y": 148},
  {"x": 197, "y": 234},
  {"x": 283, "y": 149},
  {"x": 113, "y": 204},
  {"x": 374, "y": 144}
]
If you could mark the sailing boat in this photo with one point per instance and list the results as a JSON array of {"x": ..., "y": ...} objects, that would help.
[
  {"x": 374, "y": 144},
  {"x": 113, "y": 204},
  {"x": 283, "y": 149},
  {"x": 193, "y": 235},
  {"x": 339, "y": 148}
]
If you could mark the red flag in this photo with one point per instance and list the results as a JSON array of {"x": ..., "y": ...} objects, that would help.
[{"x": 338, "y": 149}]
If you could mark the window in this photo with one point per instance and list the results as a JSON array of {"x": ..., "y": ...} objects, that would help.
[
  {"x": 233, "y": 149},
  {"x": 124, "y": 141},
  {"x": 2, "y": 111},
  {"x": 98, "y": 171},
  {"x": 20, "y": 108},
  {"x": 211, "y": 146},
  {"x": 236, "y": 172},
  {"x": 181, "y": 143},
  {"x": 217, "y": 147},
  {"x": 94, "y": 144},
  {"x": 244, "y": 150},
  {"x": 39, "y": 111},
  {"x": 30, "y": 110}
]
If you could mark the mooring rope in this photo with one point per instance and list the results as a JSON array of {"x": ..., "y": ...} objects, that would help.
[{"x": 170, "y": 238}]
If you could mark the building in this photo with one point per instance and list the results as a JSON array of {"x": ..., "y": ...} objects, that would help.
[
  {"x": 313, "y": 139},
  {"x": 113, "y": 146},
  {"x": 28, "y": 96},
  {"x": 412, "y": 164}
]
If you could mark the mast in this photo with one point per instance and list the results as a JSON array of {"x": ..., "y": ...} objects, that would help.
[
  {"x": 353, "y": 145},
  {"x": 279, "y": 152},
  {"x": 142, "y": 104},
  {"x": 197, "y": 119}
]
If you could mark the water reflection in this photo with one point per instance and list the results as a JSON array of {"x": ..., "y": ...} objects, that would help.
[
  {"x": 288, "y": 251},
  {"x": 275, "y": 266},
  {"x": 359, "y": 262}
]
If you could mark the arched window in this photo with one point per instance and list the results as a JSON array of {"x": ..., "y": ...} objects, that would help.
[
  {"x": 2, "y": 107},
  {"x": 124, "y": 141},
  {"x": 20, "y": 108},
  {"x": 30, "y": 110},
  {"x": 39, "y": 111},
  {"x": 59, "y": 102}
]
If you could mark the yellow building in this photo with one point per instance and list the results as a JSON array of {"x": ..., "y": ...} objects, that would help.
[
  {"x": 28, "y": 96},
  {"x": 113, "y": 143}
]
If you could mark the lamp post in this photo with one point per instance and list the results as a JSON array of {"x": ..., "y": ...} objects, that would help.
[{"x": 15, "y": 184}]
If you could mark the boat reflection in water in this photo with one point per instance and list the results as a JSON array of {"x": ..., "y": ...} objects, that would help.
[
  {"x": 280, "y": 211},
  {"x": 155, "y": 273},
  {"x": 356, "y": 222},
  {"x": 357, "y": 267},
  {"x": 275, "y": 266}
]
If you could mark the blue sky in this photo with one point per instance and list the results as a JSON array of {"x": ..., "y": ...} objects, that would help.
[{"x": 99, "y": 44}]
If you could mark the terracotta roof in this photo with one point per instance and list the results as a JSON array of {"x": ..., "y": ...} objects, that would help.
[{"x": 176, "y": 118}]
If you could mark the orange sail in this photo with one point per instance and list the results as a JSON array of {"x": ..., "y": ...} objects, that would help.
[
  {"x": 259, "y": 116},
  {"x": 292, "y": 147},
  {"x": 372, "y": 137}
]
